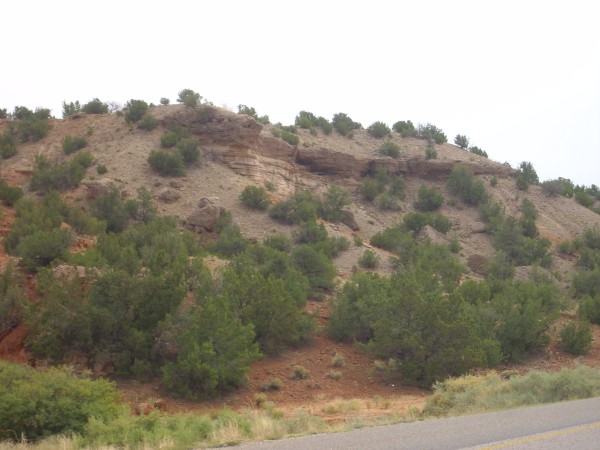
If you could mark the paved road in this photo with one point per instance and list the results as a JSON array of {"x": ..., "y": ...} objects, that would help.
[{"x": 565, "y": 425}]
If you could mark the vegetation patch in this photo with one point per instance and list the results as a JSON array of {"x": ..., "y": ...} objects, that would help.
[{"x": 471, "y": 394}]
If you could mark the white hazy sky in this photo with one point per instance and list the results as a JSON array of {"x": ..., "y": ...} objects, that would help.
[{"x": 520, "y": 78}]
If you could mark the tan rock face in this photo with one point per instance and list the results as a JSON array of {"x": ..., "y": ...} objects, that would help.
[{"x": 241, "y": 143}]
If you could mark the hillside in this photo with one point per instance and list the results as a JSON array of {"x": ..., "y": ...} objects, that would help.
[{"x": 236, "y": 151}]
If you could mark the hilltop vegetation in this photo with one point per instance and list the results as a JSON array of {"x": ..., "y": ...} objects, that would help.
[{"x": 215, "y": 239}]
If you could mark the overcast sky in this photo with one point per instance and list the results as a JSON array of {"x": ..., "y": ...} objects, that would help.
[{"x": 520, "y": 78}]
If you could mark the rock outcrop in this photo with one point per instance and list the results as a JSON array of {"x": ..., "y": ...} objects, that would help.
[
  {"x": 205, "y": 217},
  {"x": 247, "y": 148}
]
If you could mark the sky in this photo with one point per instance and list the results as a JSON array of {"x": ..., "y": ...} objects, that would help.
[{"x": 521, "y": 78}]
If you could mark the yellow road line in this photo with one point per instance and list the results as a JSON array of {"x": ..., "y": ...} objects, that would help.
[{"x": 543, "y": 436}]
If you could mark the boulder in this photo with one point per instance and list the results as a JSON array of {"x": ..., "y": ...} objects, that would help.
[
  {"x": 205, "y": 217},
  {"x": 477, "y": 263},
  {"x": 98, "y": 188},
  {"x": 168, "y": 195},
  {"x": 349, "y": 220}
]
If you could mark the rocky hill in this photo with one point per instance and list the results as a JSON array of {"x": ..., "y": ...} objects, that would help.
[{"x": 236, "y": 151}]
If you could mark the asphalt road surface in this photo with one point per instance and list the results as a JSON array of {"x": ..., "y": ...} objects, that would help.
[{"x": 566, "y": 425}]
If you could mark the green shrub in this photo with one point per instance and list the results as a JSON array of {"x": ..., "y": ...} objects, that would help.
[
  {"x": 454, "y": 245},
  {"x": 112, "y": 209},
  {"x": 390, "y": 149},
  {"x": 169, "y": 139},
  {"x": 3, "y": 113},
  {"x": 378, "y": 130},
  {"x": 368, "y": 260},
  {"x": 440, "y": 223},
  {"x": 70, "y": 109},
  {"x": 589, "y": 309},
  {"x": 429, "y": 199},
  {"x": 290, "y": 138},
  {"x": 135, "y": 110},
  {"x": 8, "y": 144},
  {"x": 147, "y": 123},
  {"x": 334, "y": 200},
  {"x": 324, "y": 124},
  {"x": 370, "y": 188},
  {"x": 311, "y": 232},
  {"x": 388, "y": 202},
  {"x": 397, "y": 187},
  {"x": 188, "y": 149},
  {"x": 32, "y": 129},
  {"x": 462, "y": 141},
  {"x": 431, "y": 153},
  {"x": 526, "y": 176},
  {"x": 166, "y": 163},
  {"x": 393, "y": 315},
  {"x": 415, "y": 221},
  {"x": 36, "y": 404},
  {"x": 432, "y": 132},
  {"x": 300, "y": 207},
  {"x": 71, "y": 144},
  {"x": 559, "y": 186},
  {"x": 215, "y": 352},
  {"x": 306, "y": 120},
  {"x": 278, "y": 241},
  {"x": 231, "y": 242},
  {"x": 83, "y": 159},
  {"x": 462, "y": 183},
  {"x": 315, "y": 266},
  {"x": 477, "y": 151},
  {"x": 250, "y": 111},
  {"x": 584, "y": 199},
  {"x": 9, "y": 194},
  {"x": 189, "y": 98},
  {"x": 404, "y": 128},
  {"x": 42, "y": 247},
  {"x": 47, "y": 176},
  {"x": 344, "y": 125},
  {"x": 255, "y": 197},
  {"x": 94, "y": 107},
  {"x": 12, "y": 298},
  {"x": 576, "y": 339},
  {"x": 395, "y": 239},
  {"x": 494, "y": 181},
  {"x": 525, "y": 310},
  {"x": 101, "y": 169}
]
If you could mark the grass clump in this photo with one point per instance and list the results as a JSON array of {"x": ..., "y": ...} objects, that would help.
[
  {"x": 300, "y": 373},
  {"x": 338, "y": 361},
  {"x": 334, "y": 374},
  {"x": 274, "y": 385},
  {"x": 472, "y": 394}
]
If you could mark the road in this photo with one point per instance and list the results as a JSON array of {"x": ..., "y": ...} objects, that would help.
[{"x": 574, "y": 424}]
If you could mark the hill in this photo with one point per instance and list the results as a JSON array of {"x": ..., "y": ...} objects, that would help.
[{"x": 236, "y": 151}]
